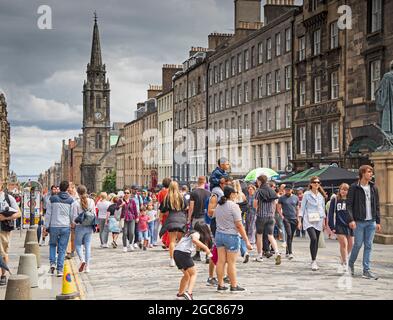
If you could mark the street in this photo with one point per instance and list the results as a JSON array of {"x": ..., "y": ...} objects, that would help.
[{"x": 145, "y": 275}]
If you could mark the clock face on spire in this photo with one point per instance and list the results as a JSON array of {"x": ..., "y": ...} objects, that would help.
[{"x": 98, "y": 116}]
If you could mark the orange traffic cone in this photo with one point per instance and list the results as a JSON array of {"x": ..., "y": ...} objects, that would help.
[{"x": 68, "y": 291}]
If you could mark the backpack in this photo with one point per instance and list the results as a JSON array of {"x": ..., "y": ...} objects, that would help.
[
  {"x": 7, "y": 225},
  {"x": 86, "y": 218}
]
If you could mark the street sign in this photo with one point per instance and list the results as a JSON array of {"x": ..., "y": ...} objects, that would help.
[{"x": 26, "y": 207}]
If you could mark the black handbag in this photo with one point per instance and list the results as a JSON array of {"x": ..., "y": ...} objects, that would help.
[{"x": 7, "y": 225}]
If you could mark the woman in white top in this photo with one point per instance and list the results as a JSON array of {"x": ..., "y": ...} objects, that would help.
[
  {"x": 103, "y": 205},
  {"x": 314, "y": 216},
  {"x": 83, "y": 233}
]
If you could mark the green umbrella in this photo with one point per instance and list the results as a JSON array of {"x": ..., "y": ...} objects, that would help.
[{"x": 254, "y": 174}]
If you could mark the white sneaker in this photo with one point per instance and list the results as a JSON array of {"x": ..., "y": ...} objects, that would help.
[
  {"x": 130, "y": 248},
  {"x": 101, "y": 245},
  {"x": 105, "y": 245},
  {"x": 172, "y": 263},
  {"x": 136, "y": 246},
  {"x": 124, "y": 249},
  {"x": 290, "y": 257},
  {"x": 259, "y": 259},
  {"x": 87, "y": 269},
  {"x": 314, "y": 266}
]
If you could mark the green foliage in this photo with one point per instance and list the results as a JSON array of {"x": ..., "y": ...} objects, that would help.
[{"x": 109, "y": 185}]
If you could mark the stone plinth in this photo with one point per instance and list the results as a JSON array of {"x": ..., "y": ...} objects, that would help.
[{"x": 383, "y": 169}]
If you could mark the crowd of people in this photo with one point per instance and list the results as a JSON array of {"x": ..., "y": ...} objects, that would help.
[{"x": 221, "y": 217}]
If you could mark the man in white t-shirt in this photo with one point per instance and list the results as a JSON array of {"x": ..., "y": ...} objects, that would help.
[{"x": 364, "y": 218}]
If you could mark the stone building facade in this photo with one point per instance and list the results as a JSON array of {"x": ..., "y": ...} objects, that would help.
[
  {"x": 368, "y": 56},
  {"x": 120, "y": 161},
  {"x": 4, "y": 140},
  {"x": 190, "y": 117},
  {"x": 141, "y": 144},
  {"x": 71, "y": 160},
  {"x": 52, "y": 176},
  {"x": 96, "y": 116},
  {"x": 249, "y": 91},
  {"x": 165, "y": 122},
  {"x": 319, "y": 95}
]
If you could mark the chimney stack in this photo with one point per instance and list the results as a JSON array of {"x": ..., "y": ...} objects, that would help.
[
  {"x": 275, "y": 8},
  {"x": 168, "y": 71},
  {"x": 247, "y": 12},
  {"x": 153, "y": 91},
  {"x": 216, "y": 39}
]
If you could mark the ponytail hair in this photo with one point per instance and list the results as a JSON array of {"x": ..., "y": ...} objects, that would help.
[
  {"x": 82, "y": 191},
  {"x": 228, "y": 190},
  {"x": 222, "y": 201}
]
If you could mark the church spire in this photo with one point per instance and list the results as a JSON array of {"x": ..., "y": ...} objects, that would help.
[{"x": 95, "y": 60}]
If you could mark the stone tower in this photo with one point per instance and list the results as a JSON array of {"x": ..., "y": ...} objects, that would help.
[
  {"x": 4, "y": 140},
  {"x": 96, "y": 115}
]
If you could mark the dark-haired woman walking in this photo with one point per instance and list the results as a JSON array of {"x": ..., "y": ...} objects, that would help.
[
  {"x": 314, "y": 217},
  {"x": 229, "y": 225}
]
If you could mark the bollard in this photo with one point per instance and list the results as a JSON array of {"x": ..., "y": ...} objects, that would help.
[
  {"x": 18, "y": 288},
  {"x": 31, "y": 236},
  {"x": 28, "y": 266},
  {"x": 33, "y": 247}
]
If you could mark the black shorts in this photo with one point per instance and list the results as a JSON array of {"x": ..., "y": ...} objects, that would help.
[
  {"x": 265, "y": 225},
  {"x": 344, "y": 230},
  {"x": 183, "y": 260}
]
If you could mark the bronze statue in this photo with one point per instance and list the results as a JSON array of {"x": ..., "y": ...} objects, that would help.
[{"x": 384, "y": 100}]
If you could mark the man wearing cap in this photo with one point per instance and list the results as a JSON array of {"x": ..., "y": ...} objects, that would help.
[{"x": 288, "y": 208}]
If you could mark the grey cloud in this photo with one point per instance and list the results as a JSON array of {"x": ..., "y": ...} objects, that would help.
[{"x": 48, "y": 66}]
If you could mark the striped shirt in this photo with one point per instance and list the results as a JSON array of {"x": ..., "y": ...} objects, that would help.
[{"x": 266, "y": 209}]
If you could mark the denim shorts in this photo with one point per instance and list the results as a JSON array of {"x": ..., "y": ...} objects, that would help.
[{"x": 229, "y": 241}]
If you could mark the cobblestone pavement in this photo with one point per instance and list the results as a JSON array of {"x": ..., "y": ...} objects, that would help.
[{"x": 147, "y": 275}]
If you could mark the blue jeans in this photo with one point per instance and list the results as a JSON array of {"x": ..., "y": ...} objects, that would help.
[
  {"x": 83, "y": 236},
  {"x": 243, "y": 247},
  {"x": 364, "y": 233},
  {"x": 59, "y": 237},
  {"x": 155, "y": 232},
  {"x": 280, "y": 225},
  {"x": 151, "y": 231}
]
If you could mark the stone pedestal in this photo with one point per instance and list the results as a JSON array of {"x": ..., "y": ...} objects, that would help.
[{"x": 383, "y": 170}]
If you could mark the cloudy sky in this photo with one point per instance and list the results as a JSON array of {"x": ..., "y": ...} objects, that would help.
[{"x": 42, "y": 71}]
